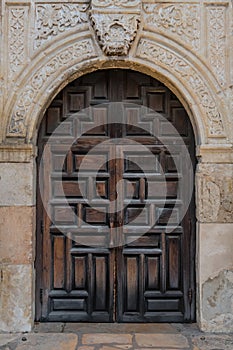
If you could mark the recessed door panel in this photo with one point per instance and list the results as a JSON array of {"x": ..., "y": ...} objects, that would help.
[{"x": 112, "y": 242}]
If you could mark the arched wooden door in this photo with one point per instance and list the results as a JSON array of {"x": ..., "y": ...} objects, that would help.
[{"x": 122, "y": 275}]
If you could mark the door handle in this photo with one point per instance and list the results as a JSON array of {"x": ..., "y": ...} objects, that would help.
[
  {"x": 120, "y": 231},
  {"x": 112, "y": 229}
]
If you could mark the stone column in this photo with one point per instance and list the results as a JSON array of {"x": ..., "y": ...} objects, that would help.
[
  {"x": 17, "y": 232},
  {"x": 214, "y": 193}
]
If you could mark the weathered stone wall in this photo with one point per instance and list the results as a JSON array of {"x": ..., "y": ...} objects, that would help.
[
  {"x": 186, "y": 44},
  {"x": 17, "y": 228}
]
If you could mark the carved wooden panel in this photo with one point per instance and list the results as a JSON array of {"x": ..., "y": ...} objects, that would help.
[{"x": 130, "y": 265}]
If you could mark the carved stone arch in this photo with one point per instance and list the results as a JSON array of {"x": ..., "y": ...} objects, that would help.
[
  {"x": 180, "y": 70},
  {"x": 191, "y": 74},
  {"x": 49, "y": 68}
]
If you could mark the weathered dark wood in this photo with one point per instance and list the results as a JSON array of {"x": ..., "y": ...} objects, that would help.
[{"x": 110, "y": 272}]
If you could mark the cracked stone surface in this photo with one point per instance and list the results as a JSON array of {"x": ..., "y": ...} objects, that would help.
[
  {"x": 103, "y": 338},
  {"x": 40, "y": 341},
  {"x": 160, "y": 340},
  {"x": 7, "y": 339},
  {"x": 213, "y": 342},
  {"x": 218, "y": 302}
]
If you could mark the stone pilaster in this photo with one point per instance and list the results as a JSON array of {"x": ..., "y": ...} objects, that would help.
[
  {"x": 214, "y": 201},
  {"x": 17, "y": 240}
]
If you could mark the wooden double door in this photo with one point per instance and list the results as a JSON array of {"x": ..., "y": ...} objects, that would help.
[{"x": 111, "y": 247}]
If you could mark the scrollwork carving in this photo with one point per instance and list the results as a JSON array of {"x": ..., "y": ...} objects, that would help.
[
  {"x": 52, "y": 19},
  {"x": 164, "y": 57},
  {"x": 18, "y": 17},
  {"x": 216, "y": 34},
  {"x": 182, "y": 20},
  {"x": 77, "y": 52}
]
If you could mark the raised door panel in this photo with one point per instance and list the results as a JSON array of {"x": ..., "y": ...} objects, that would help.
[
  {"x": 77, "y": 282},
  {"x": 151, "y": 256},
  {"x": 154, "y": 256},
  {"x": 147, "y": 274}
]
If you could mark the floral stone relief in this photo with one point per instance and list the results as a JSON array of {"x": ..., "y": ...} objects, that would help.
[
  {"x": 55, "y": 18},
  {"x": 164, "y": 57},
  {"x": 180, "y": 20},
  {"x": 116, "y": 23},
  {"x": 215, "y": 189},
  {"x": 17, "y": 38},
  {"x": 83, "y": 49},
  {"x": 216, "y": 38}
]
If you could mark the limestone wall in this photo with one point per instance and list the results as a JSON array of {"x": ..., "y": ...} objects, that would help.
[{"x": 186, "y": 44}]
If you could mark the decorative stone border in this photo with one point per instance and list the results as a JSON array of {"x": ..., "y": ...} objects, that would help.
[
  {"x": 59, "y": 65},
  {"x": 173, "y": 37},
  {"x": 169, "y": 59},
  {"x": 73, "y": 54}
]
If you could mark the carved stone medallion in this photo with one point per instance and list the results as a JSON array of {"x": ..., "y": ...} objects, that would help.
[{"x": 116, "y": 23}]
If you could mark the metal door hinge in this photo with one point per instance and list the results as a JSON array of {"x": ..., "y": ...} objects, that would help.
[
  {"x": 42, "y": 226},
  {"x": 41, "y": 295},
  {"x": 190, "y": 295}
]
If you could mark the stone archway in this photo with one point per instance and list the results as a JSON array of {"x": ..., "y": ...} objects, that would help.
[
  {"x": 188, "y": 77},
  {"x": 44, "y": 68}
]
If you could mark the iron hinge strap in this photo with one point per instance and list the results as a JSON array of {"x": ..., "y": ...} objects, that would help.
[
  {"x": 190, "y": 295},
  {"x": 41, "y": 295},
  {"x": 42, "y": 226}
]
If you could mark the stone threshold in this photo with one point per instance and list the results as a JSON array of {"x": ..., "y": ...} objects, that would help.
[
  {"x": 60, "y": 327},
  {"x": 80, "y": 336}
]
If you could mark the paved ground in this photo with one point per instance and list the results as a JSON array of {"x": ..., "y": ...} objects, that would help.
[{"x": 61, "y": 336}]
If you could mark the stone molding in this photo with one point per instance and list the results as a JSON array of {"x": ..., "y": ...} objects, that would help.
[
  {"x": 215, "y": 153},
  {"x": 17, "y": 153}
]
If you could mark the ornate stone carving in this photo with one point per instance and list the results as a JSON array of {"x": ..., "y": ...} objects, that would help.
[
  {"x": 215, "y": 191},
  {"x": 17, "y": 22},
  {"x": 54, "y": 18},
  {"x": 182, "y": 20},
  {"x": 210, "y": 193},
  {"x": 164, "y": 57},
  {"x": 75, "y": 53},
  {"x": 216, "y": 36},
  {"x": 116, "y": 23}
]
